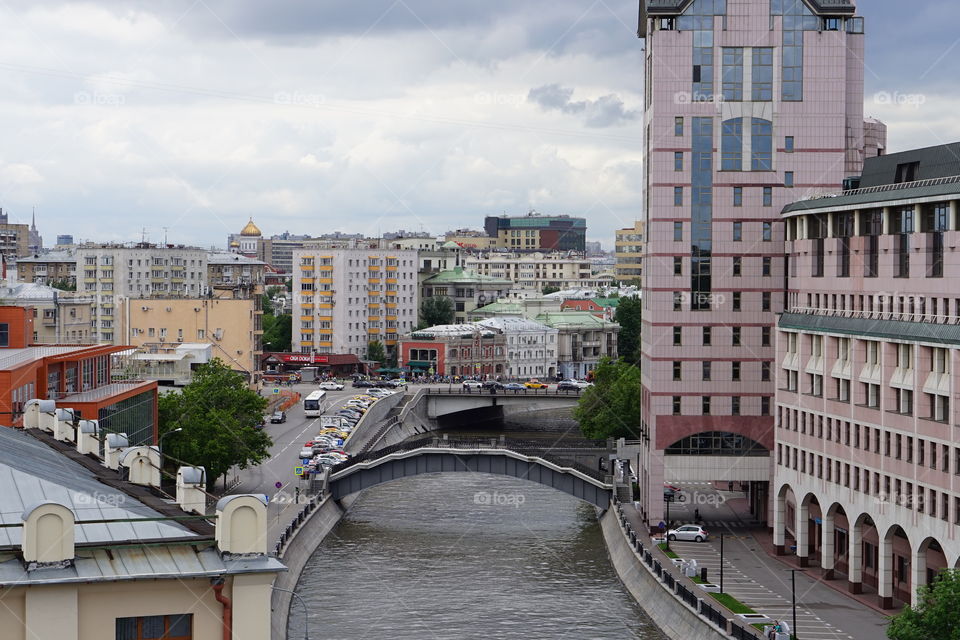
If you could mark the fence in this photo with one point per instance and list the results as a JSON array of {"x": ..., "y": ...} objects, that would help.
[{"x": 295, "y": 524}]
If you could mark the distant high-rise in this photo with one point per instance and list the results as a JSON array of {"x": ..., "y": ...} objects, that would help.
[
  {"x": 750, "y": 105},
  {"x": 536, "y": 232}
]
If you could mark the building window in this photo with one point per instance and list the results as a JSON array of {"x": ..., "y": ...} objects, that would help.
[
  {"x": 737, "y": 297},
  {"x": 678, "y": 126},
  {"x": 731, "y": 150},
  {"x": 707, "y": 336},
  {"x": 767, "y": 265},
  {"x": 677, "y": 370},
  {"x": 738, "y": 231},
  {"x": 4, "y": 334},
  {"x": 732, "y": 74},
  {"x": 735, "y": 405},
  {"x": 701, "y": 231},
  {"x": 677, "y": 336},
  {"x": 735, "y": 371},
  {"x": 765, "y": 406},
  {"x": 768, "y": 196},
  {"x": 676, "y": 405},
  {"x": 737, "y": 266},
  {"x": 678, "y": 232},
  {"x": 705, "y": 405},
  {"x": 678, "y": 160},
  {"x": 765, "y": 371},
  {"x": 738, "y": 196},
  {"x": 172, "y": 627},
  {"x": 788, "y": 144},
  {"x": 677, "y": 266},
  {"x": 735, "y": 336},
  {"x": 764, "y": 336},
  {"x": 788, "y": 179},
  {"x": 678, "y": 196},
  {"x": 762, "y": 74},
  {"x": 706, "y": 371},
  {"x": 767, "y": 231},
  {"x": 762, "y": 145}
]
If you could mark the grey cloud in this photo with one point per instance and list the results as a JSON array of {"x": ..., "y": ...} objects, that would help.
[{"x": 605, "y": 111}]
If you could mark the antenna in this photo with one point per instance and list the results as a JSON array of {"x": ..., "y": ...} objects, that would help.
[
  {"x": 165, "y": 235},
  {"x": 143, "y": 235}
]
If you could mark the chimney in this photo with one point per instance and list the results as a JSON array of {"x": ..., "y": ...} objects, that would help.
[
  {"x": 47, "y": 533},
  {"x": 242, "y": 524},
  {"x": 63, "y": 428},
  {"x": 38, "y": 414},
  {"x": 113, "y": 447},
  {"x": 88, "y": 432},
  {"x": 190, "y": 489},
  {"x": 144, "y": 465}
]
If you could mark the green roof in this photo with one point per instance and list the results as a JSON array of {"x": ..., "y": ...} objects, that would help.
[
  {"x": 500, "y": 307},
  {"x": 459, "y": 275},
  {"x": 607, "y": 302},
  {"x": 584, "y": 319},
  {"x": 928, "y": 332}
]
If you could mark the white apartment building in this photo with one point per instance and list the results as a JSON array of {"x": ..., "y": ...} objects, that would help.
[
  {"x": 531, "y": 346},
  {"x": 109, "y": 273},
  {"x": 534, "y": 271},
  {"x": 345, "y": 298}
]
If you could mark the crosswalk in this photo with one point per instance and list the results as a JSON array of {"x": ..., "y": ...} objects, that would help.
[{"x": 756, "y": 595}]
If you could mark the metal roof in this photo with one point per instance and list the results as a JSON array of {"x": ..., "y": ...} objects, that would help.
[
  {"x": 31, "y": 472},
  {"x": 519, "y": 324},
  {"x": 928, "y": 332},
  {"x": 459, "y": 275},
  {"x": 12, "y": 358},
  {"x": 582, "y": 319}
]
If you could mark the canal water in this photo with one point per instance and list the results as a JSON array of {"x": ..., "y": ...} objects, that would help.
[{"x": 462, "y": 556}]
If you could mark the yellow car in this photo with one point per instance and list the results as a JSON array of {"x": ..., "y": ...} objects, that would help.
[{"x": 535, "y": 384}]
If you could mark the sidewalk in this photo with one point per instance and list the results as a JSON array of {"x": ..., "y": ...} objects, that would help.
[{"x": 761, "y": 581}]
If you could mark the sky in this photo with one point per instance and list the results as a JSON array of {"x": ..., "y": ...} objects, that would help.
[{"x": 180, "y": 119}]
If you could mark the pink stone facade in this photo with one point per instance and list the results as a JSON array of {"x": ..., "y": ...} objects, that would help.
[{"x": 816, "y": 143}]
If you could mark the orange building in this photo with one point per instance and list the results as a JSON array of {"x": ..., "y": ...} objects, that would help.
[{"x": 75, "y": 376}]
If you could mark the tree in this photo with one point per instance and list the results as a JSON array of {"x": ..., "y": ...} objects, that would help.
[
  {"x": 376, "y": 352},
  {"x": 435, "y": 310},
  {"x": 547, "y": 289},
  {"x": 218, "y": 416},
  {"x": 611, "y": 407},
  {"x": 628, "y": 316},
  {"x": 937, "y": 615},
  {"x": 277, "y": 332},
  {"x": 64, "y": 284}
]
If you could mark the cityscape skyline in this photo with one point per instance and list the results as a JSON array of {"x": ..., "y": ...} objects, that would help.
[{"x": 145, "y": 141}]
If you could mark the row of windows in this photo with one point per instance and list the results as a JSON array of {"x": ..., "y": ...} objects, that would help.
[
  {"x": 766, "y": 231},
  {"x": 766, "y": 194},
  {"x": 736, "y": 266},
  {"x": 736, "y": 336},
  {"x": 706, "y": 405},
  {"x": 708, "y": 370},
  {"x": 905, "y": 306},
  {"x": 884, "y": 487}
]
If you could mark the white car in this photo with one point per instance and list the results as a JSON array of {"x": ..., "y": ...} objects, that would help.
[
  {"x": 331, "y": 385},
  {"x": 472, "y": 384},
  {"x": 689, "y": 532}
]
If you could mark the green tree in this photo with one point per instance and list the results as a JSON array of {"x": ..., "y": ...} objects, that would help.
[
  {"x": 549, "y": 289},
  {"x": 218, "y": 416},
  {"x": 435, "y": 310},
  {"x": 611, "y": 407},
  {"x": 64, "y": 284},
  {"x": 937, "y": 615},
  {"x": 628, "y": 316},
  {"x": 376, "y": 352},
  {"x": 277, "y": 332}
]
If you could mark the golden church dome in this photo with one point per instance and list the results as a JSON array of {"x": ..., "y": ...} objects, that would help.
[{"x": 251, "y": 229}]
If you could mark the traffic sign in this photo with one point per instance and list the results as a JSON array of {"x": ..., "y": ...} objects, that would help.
[
  {"x": 298, "y": 471},
  {"x": 276, "y": 391},
  {"x": 279, "y": 485}
]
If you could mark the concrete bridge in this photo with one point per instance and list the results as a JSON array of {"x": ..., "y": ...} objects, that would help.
[
  {"x": 456, "y": 406},
  {"x": 527, "y": 461}
]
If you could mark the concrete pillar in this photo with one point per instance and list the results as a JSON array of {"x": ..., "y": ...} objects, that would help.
[
  {"x": 52, "y": 612},
  {"x": 885, "y": 574},
  {"x": 918, "y": 575},
  {"x": 855, "y": 559},
  {"x": 779, "y": 526},
  {"x": 827, "y": 559},
  {"x": 803, "y": 538}
]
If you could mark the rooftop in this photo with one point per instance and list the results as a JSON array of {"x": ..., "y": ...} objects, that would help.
[
  {"x": 52, "y": 256},
  {"x": 459, "y": 275},
  {"x": 223, "y": 257},
  {"x": 451, "y": 330},
  {"x": 516, "y": 323},
  {"x": 578, "y": 319}
]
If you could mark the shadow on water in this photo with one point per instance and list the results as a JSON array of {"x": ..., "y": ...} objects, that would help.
[{"x": 467, "y": 556}]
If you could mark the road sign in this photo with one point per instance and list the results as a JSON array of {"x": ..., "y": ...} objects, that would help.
[
  {"x": 278, "y": 485},
  {"x": 276, "y": 391},
  {"x": 298, "y": 471}
]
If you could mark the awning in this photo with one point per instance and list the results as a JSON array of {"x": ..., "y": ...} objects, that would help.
[{"x": 419, "y": 364}]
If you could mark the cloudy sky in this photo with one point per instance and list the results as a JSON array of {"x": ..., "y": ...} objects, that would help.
[{"x": 363, "y": 115}]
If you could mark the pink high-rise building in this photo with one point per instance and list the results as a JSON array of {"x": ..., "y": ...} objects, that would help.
[{"x": 750, "y": 105}]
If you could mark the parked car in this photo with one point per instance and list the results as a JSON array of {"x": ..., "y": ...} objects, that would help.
[
  {"x": 568, "y": 385},
  {"x": 689, "y": 532},
  {"x": 535, "y": 384},
  {"x": 278, "y": 417},
  {"x": 472, "y": 384},
  {"x": 514, "y": 386},
  {"x": 362, "y": 384},
  {"x": 331, "y": 385}
]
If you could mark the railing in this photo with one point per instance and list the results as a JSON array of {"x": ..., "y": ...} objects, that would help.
[
  {"x": 522, "y": 447},
  {"x": 457, "y": 390},
  {"x": 939, "y": 318},
  {"x": 296, "y": 523},
  {"x": 930, "y": 182}
]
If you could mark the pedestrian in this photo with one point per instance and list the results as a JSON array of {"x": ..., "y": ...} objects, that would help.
[{"x": 696, "y": 515}]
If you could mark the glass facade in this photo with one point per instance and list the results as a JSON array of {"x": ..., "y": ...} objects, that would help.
[
  {"x": 733, "y": 74},
  {"x": 699, "y": 18},
  {"x": 716, "y": 443},
  {"x": 762, "y": 89},
  {"x": 133, "y": 416},
  {"x": 701, "y": 226},
  {"x": 761, "y": 139},
  {"x": 731, "y": 145},
  {"x": 797, "y": 18}
]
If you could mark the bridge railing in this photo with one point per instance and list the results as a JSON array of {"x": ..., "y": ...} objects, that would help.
[
  {"x": 528, "y": 448},
  {"x": 456, "y": 390}
]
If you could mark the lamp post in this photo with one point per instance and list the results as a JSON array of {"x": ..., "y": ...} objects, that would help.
[
  {"x": 721, "y": 563},
  {"x": 306, "y": 620},
  {"x": 160, "y": 442},
  {"x": 669, "y": 500},
  {"x": 793, "y": 592}
]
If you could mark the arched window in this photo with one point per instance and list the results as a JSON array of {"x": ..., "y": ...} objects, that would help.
[{"x": 716, "y": 443}]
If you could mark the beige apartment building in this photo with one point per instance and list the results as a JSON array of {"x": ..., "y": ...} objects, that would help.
[
  {"x": 345, "y": 298},
  {"x": 48, "y": 268},
  {"x": 59, "y": 316},
  {"x": 630, "y": 249},
  {"x": 534, "y": 271},
  {"x": 232, "y": 326}
]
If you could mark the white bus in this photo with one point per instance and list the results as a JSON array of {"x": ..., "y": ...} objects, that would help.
[{"x": 313, "y": 404}]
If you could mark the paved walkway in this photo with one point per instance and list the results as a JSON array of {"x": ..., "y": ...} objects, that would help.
[{"x": 762, "y": 581}]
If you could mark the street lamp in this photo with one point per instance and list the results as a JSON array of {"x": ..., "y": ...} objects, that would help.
[
  {"x": 793, "y": 592},
  {"x": 721, "y": 563},
  {"x": 306, "y": 620},
  {"x": 669, "y": 500},
  {"x": 160, "y": 442}
]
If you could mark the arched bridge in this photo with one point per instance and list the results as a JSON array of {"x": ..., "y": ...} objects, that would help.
[{"x": 524, "y": 460}]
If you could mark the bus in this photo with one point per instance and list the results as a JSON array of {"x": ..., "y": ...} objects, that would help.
[{"x": 313, "y": 404}]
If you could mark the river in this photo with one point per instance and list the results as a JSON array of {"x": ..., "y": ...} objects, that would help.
[{"x": 461, "y": 556}]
